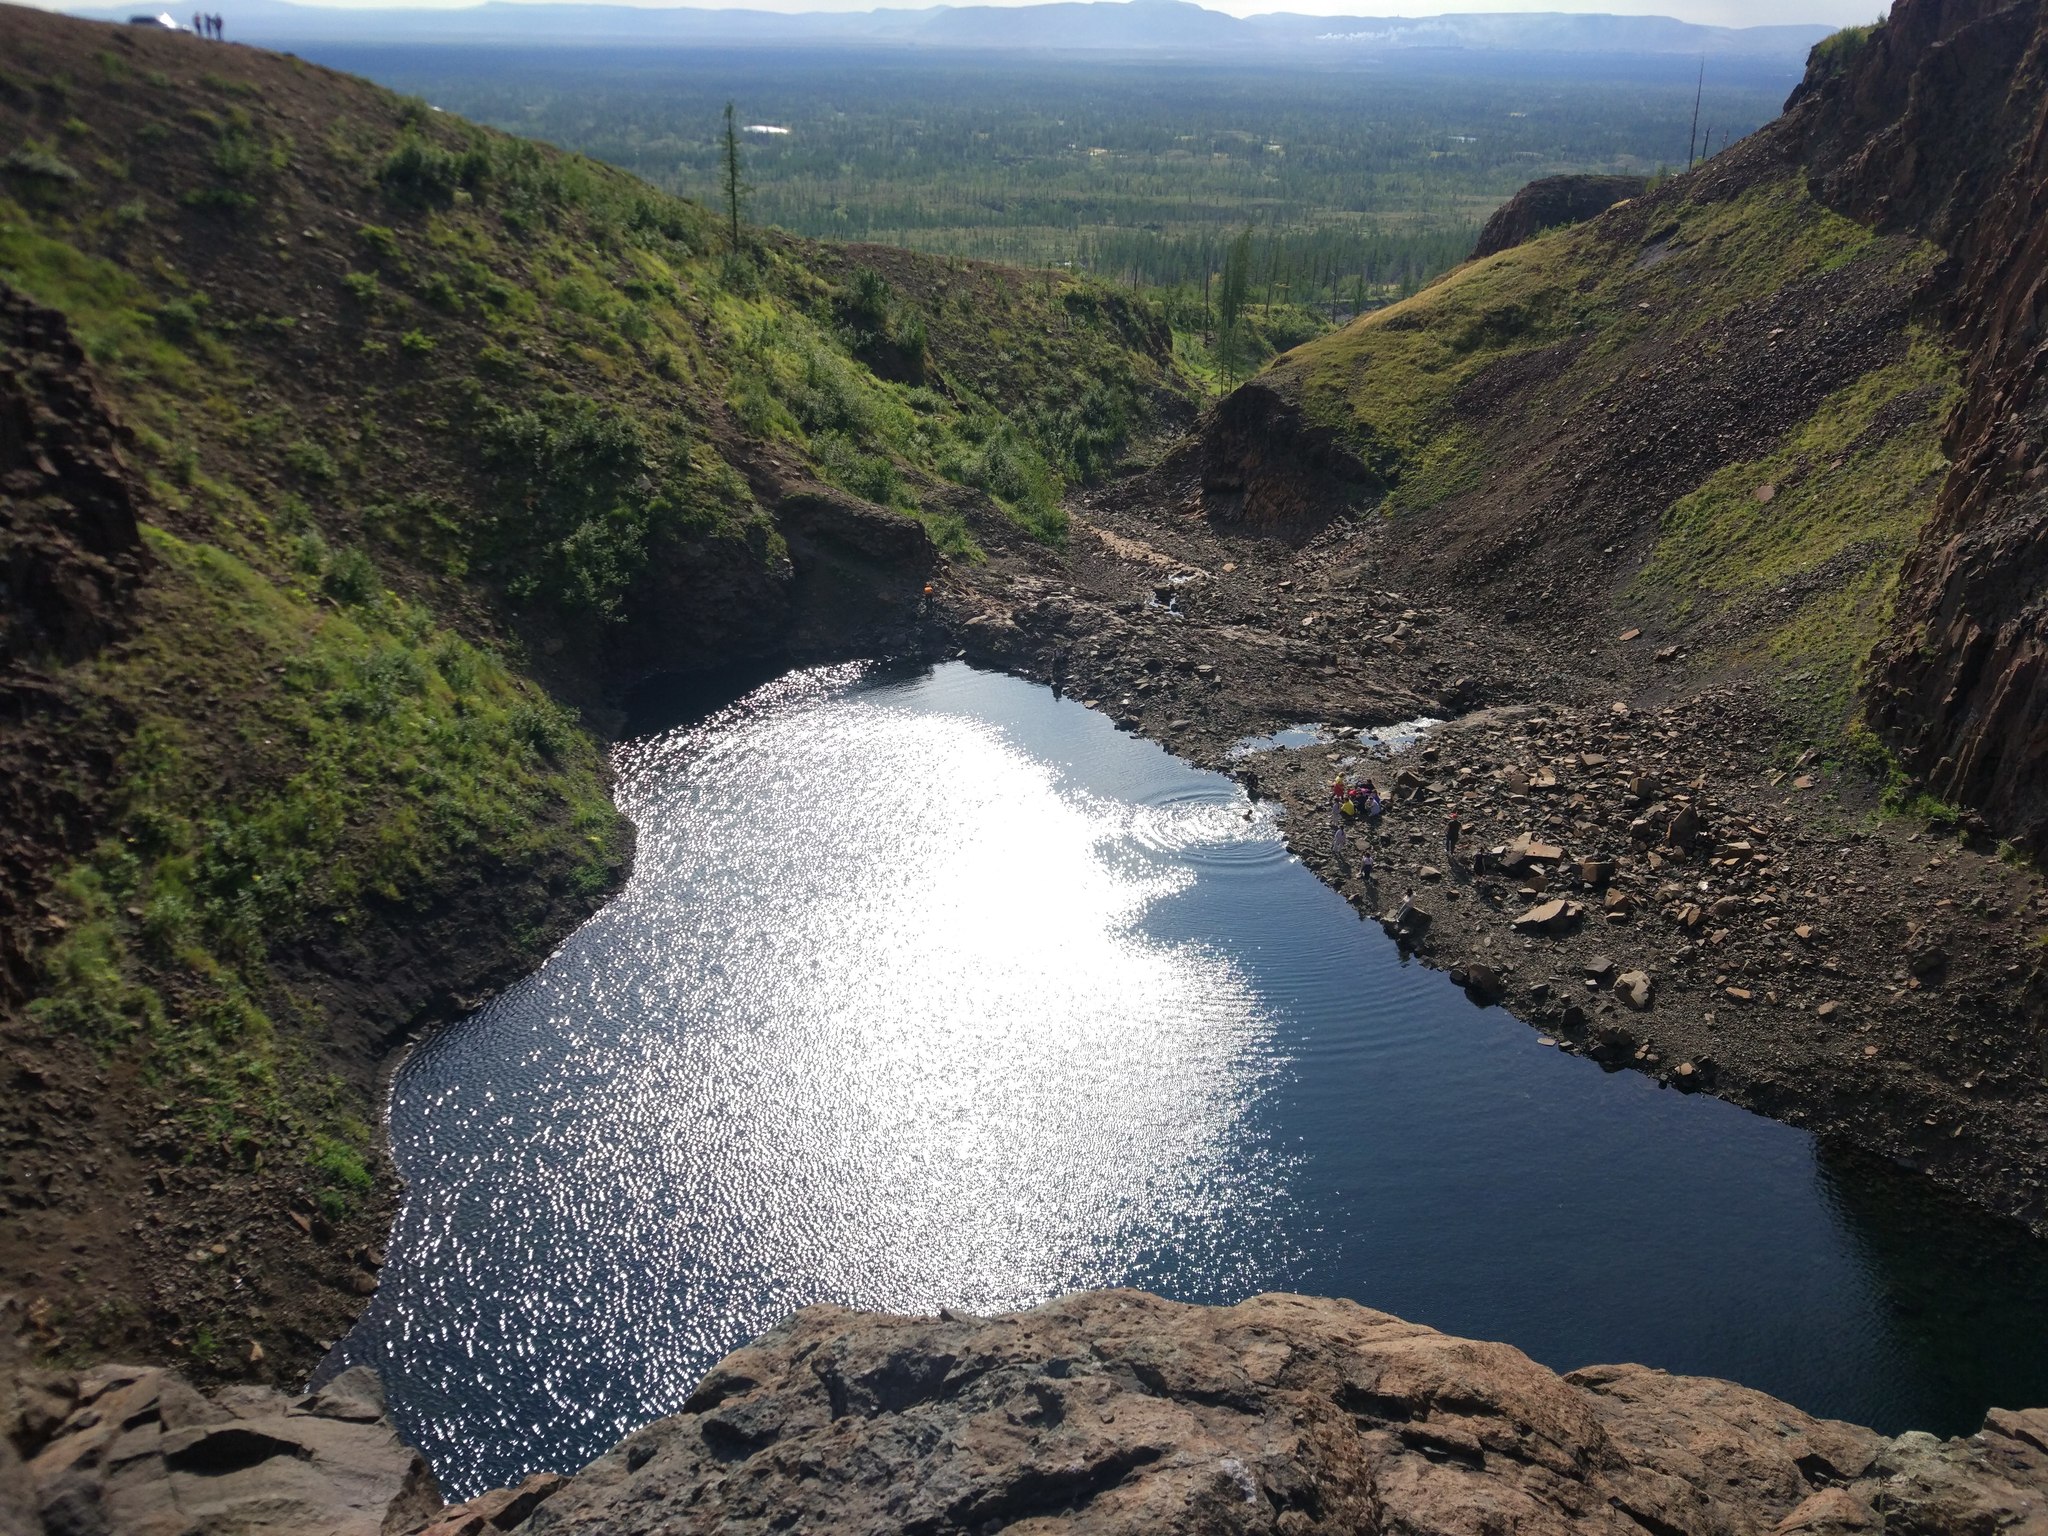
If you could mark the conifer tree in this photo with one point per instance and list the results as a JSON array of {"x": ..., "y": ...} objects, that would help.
[{"x": 1231, "y": 294}]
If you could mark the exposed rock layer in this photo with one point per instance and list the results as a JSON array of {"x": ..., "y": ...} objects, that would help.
[
  {"x": 1941, "y": 122},
  {"x": 1551, "y": 201}
]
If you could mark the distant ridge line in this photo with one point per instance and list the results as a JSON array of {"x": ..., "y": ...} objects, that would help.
[{"x": 1156, "y": 27}]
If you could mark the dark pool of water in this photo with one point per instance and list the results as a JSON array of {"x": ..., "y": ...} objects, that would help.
[{"x": 933, "y": 990}]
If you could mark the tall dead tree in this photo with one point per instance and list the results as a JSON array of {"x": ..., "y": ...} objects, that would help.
[{"x": 1692, "y": 140}]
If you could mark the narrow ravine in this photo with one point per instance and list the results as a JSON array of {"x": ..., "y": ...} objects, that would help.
[{"x": 932, "y": 990}]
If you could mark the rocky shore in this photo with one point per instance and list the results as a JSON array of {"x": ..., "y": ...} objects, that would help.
[
  {"x": 1109, "y": 1411},
  {"x": 1788, "y": 944}
]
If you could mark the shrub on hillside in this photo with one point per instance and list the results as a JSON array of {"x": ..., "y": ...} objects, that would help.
[{"x": 426, "y": 175}]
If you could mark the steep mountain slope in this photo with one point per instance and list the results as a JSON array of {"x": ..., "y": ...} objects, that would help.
[
  {"x": 1727, "y": 410},
  {"x": 1711, "y": 411},
  {"x": 350, "y": 452}
]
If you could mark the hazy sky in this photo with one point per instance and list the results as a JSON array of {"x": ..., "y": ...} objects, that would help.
[{"x": 1727, "y": 13}]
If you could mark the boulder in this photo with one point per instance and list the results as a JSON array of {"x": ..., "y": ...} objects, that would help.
[
  {"x": 502, "y": 1509},
  {"x": 1634, "y": 988},
  {"x": 1484, "y": 981},
  {"x": 1548, "y": 202},
  {"x": 141, "y": 1451},
  {"x": 1552, "y": 916},
  {"x": 1685, "y": 828},
  {"x": 1527, "y": 848},
  {"x": 1926, "y": 959}
]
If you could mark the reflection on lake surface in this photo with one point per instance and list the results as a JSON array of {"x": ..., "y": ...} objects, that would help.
[{"x": 932, "y": 990}]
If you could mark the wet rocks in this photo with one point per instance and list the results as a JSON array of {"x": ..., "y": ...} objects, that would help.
[{"x": 1483, "y": 981}]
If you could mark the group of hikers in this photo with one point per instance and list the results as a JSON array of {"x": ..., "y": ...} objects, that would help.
[
  {"x": 206, "y": 25},
  {"x": 1363, "y": 804},
  {"x": 1354, "y": 804}
]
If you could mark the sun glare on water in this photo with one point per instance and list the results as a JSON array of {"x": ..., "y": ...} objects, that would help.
[{"x": 873, "y": 1023}]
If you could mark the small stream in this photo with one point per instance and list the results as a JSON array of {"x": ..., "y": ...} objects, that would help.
[{"x": 932, "y": 990}]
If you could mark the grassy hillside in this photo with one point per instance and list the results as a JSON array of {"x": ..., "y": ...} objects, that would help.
[
  {"x": 436, "y": 435},
  {"x": 1709, "y": 413}
]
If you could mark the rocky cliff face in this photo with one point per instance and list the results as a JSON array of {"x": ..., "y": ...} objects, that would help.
[
  {"x": 1550, "y": 201},
  {"x": 1940, "y": 121}
]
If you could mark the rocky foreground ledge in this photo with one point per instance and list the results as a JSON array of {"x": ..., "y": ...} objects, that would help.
[{"x": 1108, "y": 1411}]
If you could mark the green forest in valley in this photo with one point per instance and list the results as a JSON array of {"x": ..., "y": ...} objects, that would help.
[{"x": 1358, "y": 183}]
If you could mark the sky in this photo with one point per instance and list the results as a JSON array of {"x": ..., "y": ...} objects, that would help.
[{"x": 1725, "y": 13}]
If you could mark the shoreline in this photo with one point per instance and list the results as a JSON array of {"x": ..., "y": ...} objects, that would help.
[{"x": 1794, "y": 889}]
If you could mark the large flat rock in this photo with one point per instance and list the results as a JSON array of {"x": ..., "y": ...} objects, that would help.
[{"x": 1116, "y": 1411}]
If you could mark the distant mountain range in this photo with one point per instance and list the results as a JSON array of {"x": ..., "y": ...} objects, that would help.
[{"x": 1106, "y": 26}]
